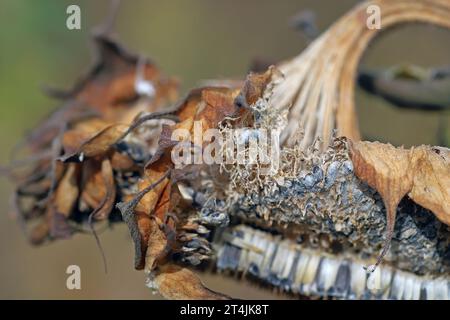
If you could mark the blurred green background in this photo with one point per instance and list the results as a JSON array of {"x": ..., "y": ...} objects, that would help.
[{"x": 193, "y": 40}]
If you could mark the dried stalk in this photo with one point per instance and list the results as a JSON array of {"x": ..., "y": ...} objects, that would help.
[{"x": 320, "y": 83}]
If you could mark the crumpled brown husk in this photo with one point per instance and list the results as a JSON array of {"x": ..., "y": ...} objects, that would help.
[
  {"x": 422, "y": 173},
  {"x": 178, "y": 283}
]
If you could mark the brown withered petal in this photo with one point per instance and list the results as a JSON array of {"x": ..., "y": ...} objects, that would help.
[
  {"x": 215, "y": 105},
  {"x": 92, "y": 183},
  {"x": 58, "y": 224},
  {"x": 219, "y": 105},
  {"x": 110, "y": 83},
  {"x": 163, "y": 204},
  {"x": 188, "y": 107},
  {"x": 66, "y": 115},
  {"x": 151, "y": 188},
  {"x": 157, "y": 245},
  {"x": 107, "y": 89},
  {"x": 175, "y": 282},
  {"x": 39, "y": 233},
  {"x": 154, "y": 189},
  {"x": 255, "y": 85},
  {"x": 80, "y": 133},
  {"x": 35, "y": 188},
  {"x": 98, "y": 145},
  {"x": 67, "y": 191},
  {"x": 98, "y": 187},
  {"x": 422, "y": 172},
  {"x": 219, "y": 99},
  {"x": 431, "y": 180},
  {"x": 144, "y": 224},
  {"x": 207, "y": 105},
  {"x": 61, "y": 204},
  {"x": 122, "y": 162},
  {"x": 165, "y": 142},
  {"x": 105, "y": 207},
  {"x": 142, "y": 118},
  {"x": 153, "y": 174},
  {"x": 138, "y": 222}
]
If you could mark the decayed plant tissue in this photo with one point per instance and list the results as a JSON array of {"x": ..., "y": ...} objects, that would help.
[{"x": 266, "y": 178}]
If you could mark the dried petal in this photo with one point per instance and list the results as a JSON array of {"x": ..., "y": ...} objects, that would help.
[
  {"x": 219, "y": 105},
  {"x": 175, "y": 282},
  {"x": 422, "y": 172},
  {"x": 255, "y": 85},
  {"x": 431, "y": 185},
  {"x": 103, "y": 210},
  {"x": 67, "y": 192},
  {"x": 99, "y": 144},
  {"x": 156, "y": 247}
]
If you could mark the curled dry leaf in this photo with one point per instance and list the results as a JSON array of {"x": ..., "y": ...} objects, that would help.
[
  {"x": 104, "y": 189},
  {"x": 422, "y": 173},
  {"x": 80, "y": 133},
  {"x": 122, "y": 162},
  {"x": 39, "y": 233},
  {"x": 60, "y": 208},
  {"x": 146, "y": 208},
  {"x": 138, "y": 217},
  {"x": 219, "y": 104},
  {"x": 255, "y": 85},
  {"x": 175, "y": 282},
  {"x": 431, "y": 180},
  {"x": 208, "y": 106},
  {"x": 93, "y": 185},
  {"x": 106, "y": 91},
  {"x": 67, "y": 192},
  {"x": 110, "y": 84},
  {"x": 99, "y": 144},
  {"x": 58, "y": 224},
  {"x": 92, "y": 118},
  {"x": 157, "y": 245}
]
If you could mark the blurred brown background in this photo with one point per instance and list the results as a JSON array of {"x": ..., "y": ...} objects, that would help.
[{"x": 194, "y": 40}]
